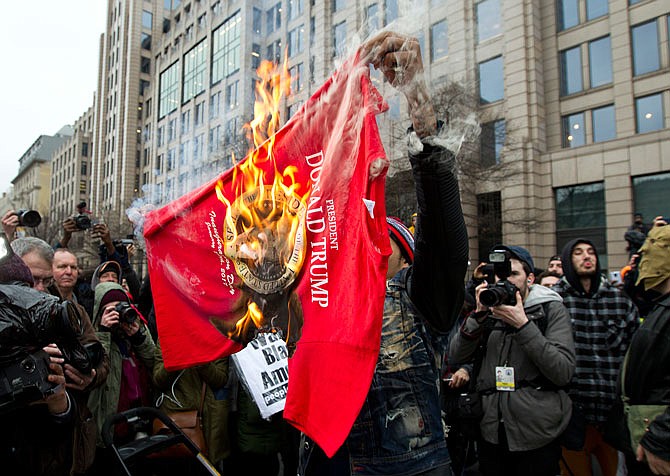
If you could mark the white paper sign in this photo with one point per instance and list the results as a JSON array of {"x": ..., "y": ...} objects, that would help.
[{"x": 263, "y": 368}]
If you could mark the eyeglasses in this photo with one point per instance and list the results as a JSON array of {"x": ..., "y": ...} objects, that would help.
[{"x": 46, "y": 282}]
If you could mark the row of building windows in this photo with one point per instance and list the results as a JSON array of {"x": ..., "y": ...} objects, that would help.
[
  {"x": 574, "y": 12},
  {"x": 225, "y": 61},
  {"x": 580, "y": 212},
  {"x": 646, "y": 57},
  {"x": 599, "y": 124}
]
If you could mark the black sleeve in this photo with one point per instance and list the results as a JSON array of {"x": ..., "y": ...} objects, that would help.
[{"x": 441, "y": 241}]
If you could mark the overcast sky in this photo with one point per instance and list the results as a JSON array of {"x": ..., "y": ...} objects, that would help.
[{"x": 50, "y": 67}]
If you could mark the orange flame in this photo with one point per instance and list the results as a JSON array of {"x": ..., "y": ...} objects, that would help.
[{"x": 265, "y": 223}]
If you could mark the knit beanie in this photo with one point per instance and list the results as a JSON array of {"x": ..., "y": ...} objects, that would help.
[
  {"x": 14, "y": 269},
  {"x": 402, "y": 237},
  {"x": 655, "y": 262},
  {"x": 111, "y": 296}
]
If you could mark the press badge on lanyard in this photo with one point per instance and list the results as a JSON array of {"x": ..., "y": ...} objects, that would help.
[{"x": 505, "y": 379}]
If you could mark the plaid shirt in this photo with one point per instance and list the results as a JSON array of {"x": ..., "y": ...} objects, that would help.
[{"x": 603, "y": 325}]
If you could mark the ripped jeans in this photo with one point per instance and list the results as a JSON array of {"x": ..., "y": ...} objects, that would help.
[{"x": 399, "y": 430}]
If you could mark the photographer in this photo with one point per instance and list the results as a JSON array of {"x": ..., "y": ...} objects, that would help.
[
  {"x": 528, "y": 356},
  {"x": 36, "y": 439},
  {"x": 39, "y": 256},
  {"x": 126, "y": 339}
]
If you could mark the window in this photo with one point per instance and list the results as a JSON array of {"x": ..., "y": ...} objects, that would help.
[
  {"x": 489, "y": 20},
  {"x": 214, "y": 104},
  {"x": 296, "y": 41},
  {"x": 339, "y": 38},
  {"x": 171, "y": 159},
  {"x": 338, "y": 5},
  {"x": 226, "y": 49},
  {"x": 294, "y": 9},
  {"x": 199, "y": 114},
  {"x": 147, "y": 19},
  {"x": 580, "y": 212},
  {"x": 491, "y": 82},
  {"x": 600, "y": 62},
  {"x": 145, "y": 41},
  {"x": 233, "y": 95},
  {"x": 489, "y": 223},
  {"x": 231, "y": 130},
  {"x": 649, "y": 113},
  {"x": 255, "y": 55},
  {"x": 145, "y": 66},
  {"x": 195, "y": 64},
  {"x": 438, "y": 40},
  {"x": 645, "y": 48},
  {"x": 202, "y": 20},
  {"x": 568, "y": 13},
  {"x": 604, "y": 123},
  {"x": 491, "y": 142},
  {"x": 371, "y": 18},
  {"x": 169, "y": 90},
  {"x": 571, "y": 71},
  {"x": 651, "y": 194},
  {"x": 296, "y": 72},
  {"x": 185, "y": 122},
  {"x": 214, "y": 137},
  {"x": 574, "y": 134},
  {"x": 595, "y": 9},
  {"x": 160, "y": 136},
  {"x": 257, "y": 20},
  {"x": 198, "y": 147},
  {"x": 273, "y": 18},
  {"x": 391, "y": 10},
  {"x": 84, "y": 150},
  {"x": 172, "y": 130},
  {"x": 184, "y": 152},
  {"x": 84, "y": 169}
]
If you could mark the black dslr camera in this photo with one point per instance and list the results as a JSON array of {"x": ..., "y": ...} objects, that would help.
[
  {"x": 127, "y": 313},
  {"x": 82, "y": 220},
  {"x": 29, "y": 218},
  {"x": 502, "y": 292}
]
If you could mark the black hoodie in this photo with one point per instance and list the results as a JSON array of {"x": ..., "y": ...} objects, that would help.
[{"x": 569, "y": 270}]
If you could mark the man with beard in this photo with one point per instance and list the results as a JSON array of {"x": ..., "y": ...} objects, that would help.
[
  {"x": 604, "y": 320},
  {"x": 528, "y": 356}
]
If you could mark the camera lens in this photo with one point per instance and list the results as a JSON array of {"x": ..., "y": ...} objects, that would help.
[
  {"x": 30, "y": 218},
  {"x": 492, "y": 296},
  {"x": 28, "y": 365}
]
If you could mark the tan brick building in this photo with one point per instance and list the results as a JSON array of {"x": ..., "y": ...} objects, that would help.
[{"x": 573, "y": 98}]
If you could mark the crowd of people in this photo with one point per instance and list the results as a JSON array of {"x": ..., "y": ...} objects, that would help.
[{"x": 519, "y": 371}]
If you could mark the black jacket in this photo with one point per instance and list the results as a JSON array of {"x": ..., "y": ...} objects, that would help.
[
  {"x": 436, "y": 283},
  {"x": 648, "y": 374}
]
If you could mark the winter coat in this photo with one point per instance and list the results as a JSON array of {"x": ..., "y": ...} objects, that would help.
[
  {"x": 104, "y": 400},
  {"x": 538, "y": 410},
  {"x": 187, "y": 386},
  {"x": 648, "y": 374},
  {"x": 603, "y": 323}
]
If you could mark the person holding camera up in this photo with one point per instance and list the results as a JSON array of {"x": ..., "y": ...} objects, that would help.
[
  {"x": 523, "y": 332},
  {"x": 36, "y": 433},
  {"x": 131, "y": 350}
]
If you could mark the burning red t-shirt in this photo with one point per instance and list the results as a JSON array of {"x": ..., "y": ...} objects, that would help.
[{"x": 339, "y": 281}]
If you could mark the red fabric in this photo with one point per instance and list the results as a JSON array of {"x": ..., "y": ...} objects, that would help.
[{"x": 331, "y": 370}]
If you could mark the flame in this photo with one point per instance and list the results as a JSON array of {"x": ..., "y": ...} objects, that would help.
[{"x": 264, "y": 225}]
